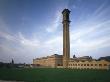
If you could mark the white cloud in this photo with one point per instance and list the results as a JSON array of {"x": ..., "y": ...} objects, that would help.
[
  {"x": 99, "y": 9},
  {"x": 84, "y": 40},
  {"x": 83, "y": 45},
  {"x": 52, "y": 45},
  {"x": 56, "y": 22},
  {"x": 28, "y": 42}
]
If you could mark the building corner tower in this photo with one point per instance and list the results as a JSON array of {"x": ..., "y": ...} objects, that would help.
[{"x": 66, "y": 37}]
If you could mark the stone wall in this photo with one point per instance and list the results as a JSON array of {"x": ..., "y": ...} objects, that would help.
[{"x": 102, "y": 64}]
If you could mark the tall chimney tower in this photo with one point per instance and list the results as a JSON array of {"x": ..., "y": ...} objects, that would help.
[{"x": 66, "y": 38}]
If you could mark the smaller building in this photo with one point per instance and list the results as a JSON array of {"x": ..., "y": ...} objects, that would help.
[
  {"x": 52, "y": 61},
  {"x": 87, "y": 62}
]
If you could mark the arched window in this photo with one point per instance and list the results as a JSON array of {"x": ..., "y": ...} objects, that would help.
[
  {"x": 100, "y": 64},
  {"x": 87, "y": 64},
  {"x": 105, "y": 64},
  {"x": 76, "y": 64},
  {"x": 81, "y": 64},
  {"x": 95, "y": 64},
  {"x": 91, "y": 64}
]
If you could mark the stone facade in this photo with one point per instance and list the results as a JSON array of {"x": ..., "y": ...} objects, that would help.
[
  {"x": 92, "y": 64},
  {"x": 66, "y": 38},
  {"x": 52, "y": 61},
  {"x": 85, "y": 62}
]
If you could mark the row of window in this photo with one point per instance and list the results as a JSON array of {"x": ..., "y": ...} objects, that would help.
[{"x": 87, "y": 64}]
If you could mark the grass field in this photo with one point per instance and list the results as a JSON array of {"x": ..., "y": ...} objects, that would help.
[{"x": 55, "y": 75}]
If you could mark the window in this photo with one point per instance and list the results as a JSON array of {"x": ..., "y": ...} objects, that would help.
[
  {"x": 81, "y": 64},
  {"x": 105, "y": 64},
  {"x": 100, "y": 64},
  {"x": 78, "y": 64},
  {"x": 91, "y": 64},
  {"x": 58, "y": 65},
  {"x": 95, "y": 64},
  {"x": 87, "y": 64},
  {"x": 84, "y": 64}
]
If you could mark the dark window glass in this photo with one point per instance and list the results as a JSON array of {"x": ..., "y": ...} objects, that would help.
[
  {"x": 100, "y": 64},
  {"x": 95, "y": 64},
  {"x": 105, "y": 64}
]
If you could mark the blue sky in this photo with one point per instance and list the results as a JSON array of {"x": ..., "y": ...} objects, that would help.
[{"x": 33, "y": 28}]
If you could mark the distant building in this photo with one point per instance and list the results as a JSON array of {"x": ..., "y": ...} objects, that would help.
[
  {"x": 12, "y": 62},
  {"x": 87, "y": 62},
  {"x": 52, "y": 61},
  {"x": 107, "y": 58},
  {"x": 64, "y": 61},
  {"x": 14, "y": 65}
]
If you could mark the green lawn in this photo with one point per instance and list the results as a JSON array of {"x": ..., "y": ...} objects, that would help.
[{"x": 55, "y": 75}]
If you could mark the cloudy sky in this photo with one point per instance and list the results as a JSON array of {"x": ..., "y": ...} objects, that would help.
[{"x": 33, "y": 28}]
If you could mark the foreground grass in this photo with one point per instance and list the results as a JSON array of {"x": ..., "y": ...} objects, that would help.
[{"x": 55, "y": 75}]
